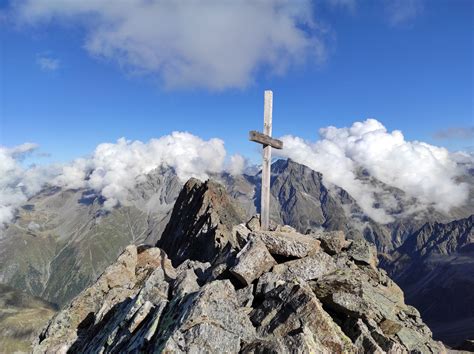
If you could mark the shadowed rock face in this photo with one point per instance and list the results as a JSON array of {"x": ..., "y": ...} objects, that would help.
[
  {"x": 435, "y": 267},
  {"x": 285, "y": 301},
  {"x": 300, "y": 199},
  {"x": 201, "y": 223}
]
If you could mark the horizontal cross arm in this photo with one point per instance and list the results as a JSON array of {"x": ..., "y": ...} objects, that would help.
[{"x": 265, "y": 139}]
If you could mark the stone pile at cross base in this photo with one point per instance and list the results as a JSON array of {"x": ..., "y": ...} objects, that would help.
[{"x": 217, "y": 285}]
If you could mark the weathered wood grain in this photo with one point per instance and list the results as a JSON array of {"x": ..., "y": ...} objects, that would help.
[
  {"x": 265, "y": 139},
  {"x": 268, "y": 142},
  {"x": 267, "y": 158}
]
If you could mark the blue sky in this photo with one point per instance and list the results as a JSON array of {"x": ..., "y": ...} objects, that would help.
[{"x": 413, "y": 73}]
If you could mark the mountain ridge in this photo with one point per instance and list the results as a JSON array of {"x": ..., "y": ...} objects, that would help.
[
  {"x": 277, "y": 291},
  {"x": 44, "y": 253},
  {"x": 435, "y": 267}
]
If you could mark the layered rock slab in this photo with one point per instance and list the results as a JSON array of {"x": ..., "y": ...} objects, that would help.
[
  {"x": 292, "y": 316},
  {"x": 252, "y": 261},
  {"x": 109, "y": 300},
  {"x": 209, "y": 320},
  {"x": 288, "y": 244},
  {"x": 332, "y": 242}
]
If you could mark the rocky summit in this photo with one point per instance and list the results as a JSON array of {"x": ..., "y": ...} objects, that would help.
[{"x": 219, "y": 285}]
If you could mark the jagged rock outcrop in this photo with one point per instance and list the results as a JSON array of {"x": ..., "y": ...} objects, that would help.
[
  {"x": 201, "y": 222},
  {"x": 283, "y": 302}
]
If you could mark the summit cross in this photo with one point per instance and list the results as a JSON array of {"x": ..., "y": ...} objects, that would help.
[{"x": 268, "y": 143}]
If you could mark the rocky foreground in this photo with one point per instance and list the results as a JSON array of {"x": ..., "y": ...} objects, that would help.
[{"x": 222, "y": 286}]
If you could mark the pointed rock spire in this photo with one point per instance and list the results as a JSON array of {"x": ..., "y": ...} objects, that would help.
[{"x": 201, "y": 222}]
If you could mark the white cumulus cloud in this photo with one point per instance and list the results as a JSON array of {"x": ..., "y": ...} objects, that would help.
[
  {"x": 422, "y": 170},
  {"x": 207, "y": 43},
  {"x": 18, "y": 183},
  {"x": 113, "y": 167},
  {"x": 237, "y": 165}
]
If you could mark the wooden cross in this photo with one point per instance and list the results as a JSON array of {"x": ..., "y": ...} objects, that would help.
[{"x": 268, "y": 142}]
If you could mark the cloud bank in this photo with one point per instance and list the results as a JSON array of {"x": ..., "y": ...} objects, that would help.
[
  {"x": 112, "y": 169},
  {"x": 17, "y": 183},
  {"x": 423, "y": 171},
  {"x": 208, "y": 43}
]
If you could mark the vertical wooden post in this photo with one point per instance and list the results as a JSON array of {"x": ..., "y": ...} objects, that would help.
[{"x": 267, "y": 157}]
